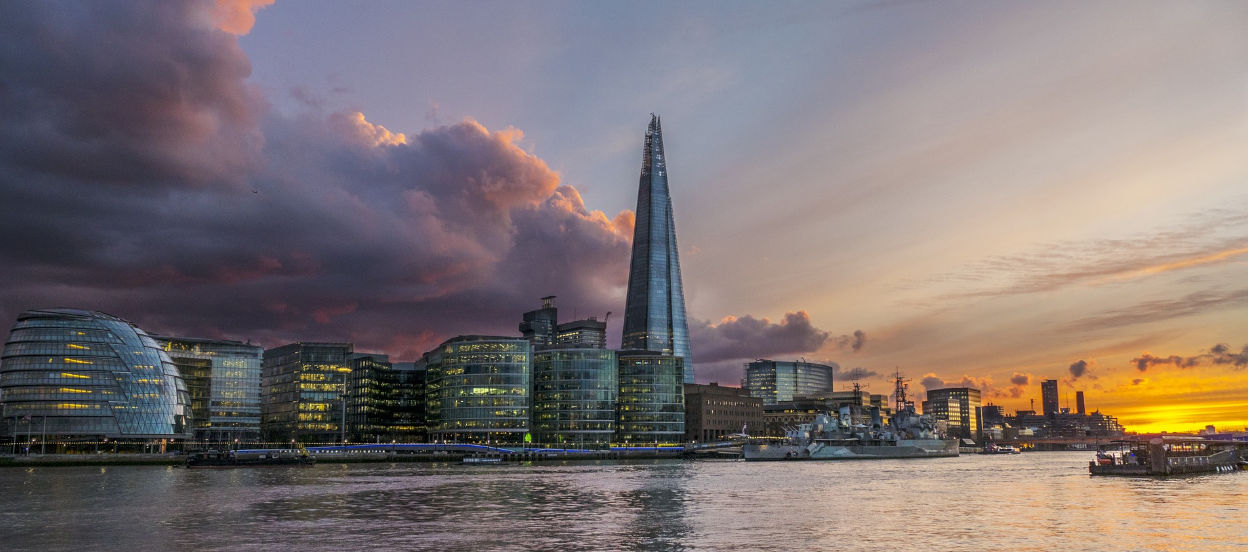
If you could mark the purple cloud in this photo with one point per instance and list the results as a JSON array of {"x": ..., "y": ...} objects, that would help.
[
  {"x": 147, "y": 179},
  {"x": 749, "y": 338}
]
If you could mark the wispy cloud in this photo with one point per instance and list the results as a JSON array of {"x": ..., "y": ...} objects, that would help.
[
  {"x": 1161, "y": 309},
  {"x": 1212, "y": 236}
]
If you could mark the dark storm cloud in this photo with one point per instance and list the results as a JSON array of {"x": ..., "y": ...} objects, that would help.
[
  {"x": 1078, "y": 369},
  {"x": 138, "y": 95},
  {"x": 748, "y": 337},
  {"x": 141, "y": 176},
  {"x": 1020, "y": 379}
]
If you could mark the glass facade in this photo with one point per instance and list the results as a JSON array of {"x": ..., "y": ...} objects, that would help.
[
  {"x": 75, "y": 373},
  {"x": 479, "y": 389},
  {"x": 651, "y": 403},
  {"x": 371, "y": 398},
  {"x": 303, "y": 387},
  {"x": 654, "y": 313},
  {"x": 223, "y": 379},
  {"x": 779, "y": 381},
  {"x": 574, "y": 397},
  {"x": 410, "y": 391}
]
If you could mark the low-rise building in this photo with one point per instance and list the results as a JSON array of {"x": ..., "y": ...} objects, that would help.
[{"x": 713, "y": 412}]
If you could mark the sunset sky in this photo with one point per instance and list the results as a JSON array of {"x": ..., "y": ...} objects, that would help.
[{"x": 989, "y": 194}]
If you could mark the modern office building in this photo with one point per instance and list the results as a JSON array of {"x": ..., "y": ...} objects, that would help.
[
  {"x": 959, "y": 406},
  {"x": 70, "y": 375},
  {"x": 409, "y": 417},
  {"x": 713, "y": 412},
  {"x": 776, "y": 381},
  {"x": 1081, "y": 409},
  {"x": 574, "y": 396},
  {"x": 654, "y": 312},
  {"x": 223, "y": 380},
  {"x": 651, "y": 403},
  {"x": 1048, "y": 395},
  {"x": 538, "y": 326},
  {"x": 372, "y": 398},
  {"x": 304, "y": 387},
  {"x": 479, "y": 389},
  {"x": 589, "y": 333}
]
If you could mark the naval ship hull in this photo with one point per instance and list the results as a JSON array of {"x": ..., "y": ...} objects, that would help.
[{"x": 906, "y": 448}]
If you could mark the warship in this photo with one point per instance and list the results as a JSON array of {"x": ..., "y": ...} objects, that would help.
[{"x": 858, "y": 432}]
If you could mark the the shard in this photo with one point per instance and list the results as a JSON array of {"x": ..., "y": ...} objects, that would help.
[{"x": 654, "y": 315}]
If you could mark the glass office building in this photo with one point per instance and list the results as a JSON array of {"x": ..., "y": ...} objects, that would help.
[
  {"x": 223, "y": 380},
  {"x": 574, "y": 397},
  {"x": 304, "y": 386},
  {"x": 75, "y": 375},
  {"x": 650, "y": 407},
  {"x": 479, "y": 389},
  {"x": 779, "y": 381},
  {"x": 654, "y": 311}
]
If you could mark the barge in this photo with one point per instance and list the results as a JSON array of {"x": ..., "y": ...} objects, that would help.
[{"x": 249, "y": 458}]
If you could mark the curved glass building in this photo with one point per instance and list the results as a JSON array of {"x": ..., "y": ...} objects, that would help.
[
  {"x": 651, "y": 404},
  {"x": 776, "y": 381},
  {"x": 574, "y": 395},
  {"x": 80, "y": 374},
  {"x": 479, "y": 389}
]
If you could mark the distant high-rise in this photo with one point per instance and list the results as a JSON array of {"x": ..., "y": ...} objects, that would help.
[
  {"x": 1048, "y": 395},
  {"x": 1080, "y": 408},
  {"x": 539, "y": 325},
  {"x": 654, "y": 314},
  {"x": 957, "y": 405}
]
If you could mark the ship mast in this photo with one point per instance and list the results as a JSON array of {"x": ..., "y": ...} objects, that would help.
[{"x": 901, "y": 386}]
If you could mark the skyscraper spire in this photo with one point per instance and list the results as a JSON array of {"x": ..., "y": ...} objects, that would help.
[{"x": 654, "y": 315}]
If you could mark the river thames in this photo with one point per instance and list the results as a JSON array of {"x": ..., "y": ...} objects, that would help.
[{"x": 1034, "y": 501}]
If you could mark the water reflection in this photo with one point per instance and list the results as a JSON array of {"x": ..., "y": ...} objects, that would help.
[{"x": 1040, "y": 501}]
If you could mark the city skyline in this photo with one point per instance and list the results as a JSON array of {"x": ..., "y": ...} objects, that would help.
[{"x": 980, "y": 195}]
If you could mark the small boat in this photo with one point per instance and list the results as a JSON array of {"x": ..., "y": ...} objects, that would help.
[
  {"x": 993, "y": 448},
  {"x": 249, "y": 458},
  {"x": 482, "y": 460}
]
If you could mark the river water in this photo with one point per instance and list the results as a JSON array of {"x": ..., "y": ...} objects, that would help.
[{"x": 1034, "y": 501}]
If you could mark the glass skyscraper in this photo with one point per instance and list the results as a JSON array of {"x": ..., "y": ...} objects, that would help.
[{"x": 654, "y": 314}]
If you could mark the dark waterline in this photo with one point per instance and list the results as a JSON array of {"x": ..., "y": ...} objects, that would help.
[{"x": 1035, "y": 501}]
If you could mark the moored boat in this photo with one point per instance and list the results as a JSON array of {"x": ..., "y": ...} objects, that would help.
[
  {"x": 1170, "y": 456},
  {"x": 247, "y": 458}
]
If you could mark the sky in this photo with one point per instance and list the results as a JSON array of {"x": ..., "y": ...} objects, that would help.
[{"x": 969, "y": 193}]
